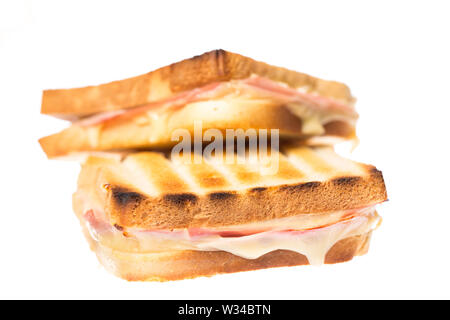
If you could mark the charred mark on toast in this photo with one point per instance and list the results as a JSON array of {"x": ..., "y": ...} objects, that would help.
[
  {"x": 219, "y": 52},
  {"x": 374, "y": 170},
  {"x": 220, "y": 56},
  {"x": 376, "y": 173},
  {"x": 123, "y": 197},
  {"x": 120, "y": 228},
  {"x": 181, "y": 199},
  {"x": 301, "y": 187},
  {"x": 345, "y": 180},
  {"x": 258, "y": 189},
  {"x": 224, "y": 195}
]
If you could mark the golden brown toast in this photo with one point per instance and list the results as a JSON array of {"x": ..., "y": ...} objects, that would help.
[
  {"x": 210, "y": 67},
  {"x": 149, "y": 190},
  {"x": 122, "y": 135},
  {"x": 153, "y": 126}
]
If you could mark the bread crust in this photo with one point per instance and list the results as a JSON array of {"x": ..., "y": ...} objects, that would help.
[
  {"x": 128, "y": 208},
  {"x": 177, "y": 205},
  {"x": 178, "y": 265},
  {"x": 210, "y": 67}
]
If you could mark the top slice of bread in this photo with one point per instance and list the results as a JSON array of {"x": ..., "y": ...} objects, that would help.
[
  {"x": 210, "y": 67},
  {"x": 150, "y": 190}
]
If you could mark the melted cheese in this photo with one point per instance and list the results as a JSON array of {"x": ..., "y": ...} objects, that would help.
[{"x": 313, "y": 243}]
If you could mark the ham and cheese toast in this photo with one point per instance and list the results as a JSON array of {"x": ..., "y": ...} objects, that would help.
[
  {"x": 222, "y": 89},
  {"x": 151, "y": 217}
]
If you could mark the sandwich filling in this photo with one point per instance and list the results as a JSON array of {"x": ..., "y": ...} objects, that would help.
[
  {"x": 314, "y": 110},
  {"x": 312, "y": 235}
]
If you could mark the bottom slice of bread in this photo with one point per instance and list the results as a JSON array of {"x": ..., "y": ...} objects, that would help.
[{"x": 187, "y": 264}]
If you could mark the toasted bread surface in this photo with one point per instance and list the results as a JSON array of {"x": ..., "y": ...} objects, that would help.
[
  {"x": 153, "y": 191},
  {"x": 210, "y": 67},
  {"x": 186, "y": 264},
  {"x": 161, "y": 132}
]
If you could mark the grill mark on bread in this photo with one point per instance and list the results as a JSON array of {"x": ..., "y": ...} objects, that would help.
[
  {"x": 288, "y": 171},
  {"x": 301, "y": 187},
  {"x": 376, "y": 173},
  {"x": 223, "y": 195},
  {"x": 165, "y": 178},
  {"x": 206, "y": 176},
  {"x": 258, "y": 189},
  {"x": 120, "y": 228},
  {"x": 181, "y": 199},
  {"x": 244, "y": 176},
  {"x": 220, "y": 57},
  {"x": 242, "y": 172},
  {"x": 353, "y": 185},
  {"x": 122, "y": 196},
  {"x": 345, "y": 180}
]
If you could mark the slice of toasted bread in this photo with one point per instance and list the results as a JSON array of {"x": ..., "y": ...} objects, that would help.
[
  {"x": 210, "y": 67},
  {"x": 178, "y": 265},
  {"x": 157, "y": 132},
  {"x": 149, "y": 190}
]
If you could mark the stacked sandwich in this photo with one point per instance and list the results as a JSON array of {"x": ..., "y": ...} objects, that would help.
[{"x": 149, "y": 215}]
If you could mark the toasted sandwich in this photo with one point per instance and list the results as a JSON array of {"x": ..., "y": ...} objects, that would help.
[
  {"x": 149, "y": 216},
  {"x": 221, "y": 89},
  {"x": 152, "y": 214}
]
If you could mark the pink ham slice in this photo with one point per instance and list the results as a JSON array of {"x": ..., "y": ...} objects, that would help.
[
  {"x": 99, "y": 225},
  {"x": 210, "y": 91},
  {"x": 286, "y": 93},
  {"x": 176, "y": 101}
]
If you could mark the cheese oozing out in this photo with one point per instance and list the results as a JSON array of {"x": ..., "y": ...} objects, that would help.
[{"x": 307, "y": 234}]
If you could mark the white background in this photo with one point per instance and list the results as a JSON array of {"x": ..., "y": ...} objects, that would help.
[{"x": 393, "y": 55}]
